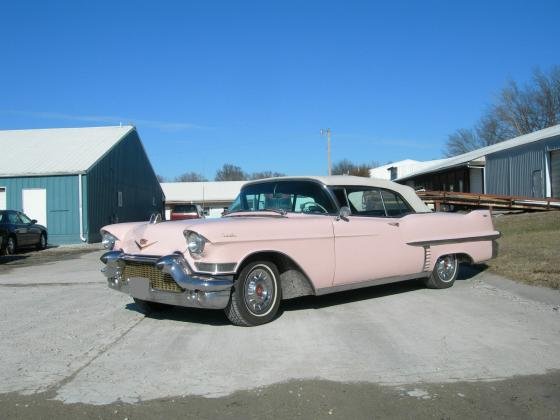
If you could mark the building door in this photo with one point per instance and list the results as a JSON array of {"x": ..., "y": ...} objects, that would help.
[
  {"x": 555, "y": 173},
  {"x": 35, "y": 205},
  {"x": 2, "y": 198},
  {"x": 537, "y": 184},
  {"x": 476, "y": 179}
]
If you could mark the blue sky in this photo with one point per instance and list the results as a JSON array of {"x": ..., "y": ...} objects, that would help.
[{"x": 252, "y": 82}]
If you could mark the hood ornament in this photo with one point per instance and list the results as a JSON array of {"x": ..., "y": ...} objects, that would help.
[
  {"x": 155, "y": 218},
  {"x": 143, "y": 243}
]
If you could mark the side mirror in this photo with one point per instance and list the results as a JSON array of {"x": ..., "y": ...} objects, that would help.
[
  {"x": 34, "y": 222},
  {"x": 344, "y": 213}
]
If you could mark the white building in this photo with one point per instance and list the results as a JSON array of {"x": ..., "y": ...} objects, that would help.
[
  {"x": 400, "y": 169},
  {"x": 212, "y": 196}
]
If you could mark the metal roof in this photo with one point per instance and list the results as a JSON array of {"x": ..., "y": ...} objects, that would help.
[
  {"x": 56, "y": 151},
  {"x": 477, "y": 154}
]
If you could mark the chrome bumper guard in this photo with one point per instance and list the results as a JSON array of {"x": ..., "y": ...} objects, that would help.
[{"x": 201, "y": 291}]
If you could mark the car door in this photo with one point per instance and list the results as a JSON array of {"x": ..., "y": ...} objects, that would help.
[
  {"x": 33, "y": 232},
  {"x": 369, "y": 244},
  {"x": 18, "y": 228}
]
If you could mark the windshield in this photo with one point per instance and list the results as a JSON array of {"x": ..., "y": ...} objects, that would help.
[
  {"x": 289, "y": 196},
  {"x": 24, "y": 218}
]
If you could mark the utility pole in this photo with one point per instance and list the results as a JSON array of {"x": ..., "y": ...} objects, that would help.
[{"x": 327, "y": 132}]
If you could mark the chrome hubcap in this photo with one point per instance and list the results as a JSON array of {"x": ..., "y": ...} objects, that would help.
[
  {"x": 446, "y": 267},
  {"x": 259, "y": 291},
  {"x": 11, "y": 246}
]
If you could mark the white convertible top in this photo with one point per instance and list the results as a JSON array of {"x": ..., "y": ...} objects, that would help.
[{"x": 347, "y": 180}]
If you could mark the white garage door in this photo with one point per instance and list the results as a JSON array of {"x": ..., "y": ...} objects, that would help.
[
  {"x": 2, "y": 198},
  {"x": 35, "y": 205},
  {"x": 555, "y": 173}
]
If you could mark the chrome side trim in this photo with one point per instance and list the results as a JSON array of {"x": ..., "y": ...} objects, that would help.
[
  {"x": 427, "y": 258},
  {"x": 368, "y": 283},
  {"x": 455, "y": 240}
]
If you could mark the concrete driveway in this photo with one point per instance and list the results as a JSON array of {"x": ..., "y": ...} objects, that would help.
[{"x": 63, "y": 332}]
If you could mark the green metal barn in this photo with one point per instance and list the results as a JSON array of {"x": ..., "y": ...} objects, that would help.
[{"x": 76, "y": 180}]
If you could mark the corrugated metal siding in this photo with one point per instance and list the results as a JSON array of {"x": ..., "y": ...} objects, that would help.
[
  {"x": 519, "y": 171},
  {"x": 62, "y": 203},
  {"x": 555, "y": 173},
  {"x": 127, "y": 169}
]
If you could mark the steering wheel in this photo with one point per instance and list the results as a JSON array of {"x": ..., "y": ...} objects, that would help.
[{"x": 304, "y": 207}]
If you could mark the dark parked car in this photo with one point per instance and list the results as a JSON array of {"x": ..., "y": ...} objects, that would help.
[{"x": 19, "y": 231}]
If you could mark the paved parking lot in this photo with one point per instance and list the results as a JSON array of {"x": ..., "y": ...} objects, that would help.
[{"x": 67, "y": 337}]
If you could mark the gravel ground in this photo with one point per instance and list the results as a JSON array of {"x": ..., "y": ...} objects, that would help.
[
  {"x": 27, "y": 258},
  {"x": 525, "y": 397},
  {"x": 72, "y": 348}
]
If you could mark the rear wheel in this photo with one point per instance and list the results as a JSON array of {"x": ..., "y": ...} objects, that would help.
[
  {"x": 444, "y": 273},
  {"x": 256, "y": 295}
]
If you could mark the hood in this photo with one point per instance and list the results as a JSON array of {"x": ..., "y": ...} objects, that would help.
[{"x": 167, "y": 237}]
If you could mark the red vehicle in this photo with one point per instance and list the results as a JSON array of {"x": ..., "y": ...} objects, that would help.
[{"x": 187, "y": 211}]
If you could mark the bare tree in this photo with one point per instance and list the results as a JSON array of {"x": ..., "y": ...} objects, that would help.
[
  {"x": 548, "y": 97},
  {"x": 265, "y": 174},
  {"x": 160, "y": 178},
  {"x": 490, "y": 130},
  {"x": 462, "y": 141},
  {"x": 347, "y": 167},
  {"x": 517, "y": 111},
  {"x": 190, "y": 177},
  {"x": 230, "y": 172}
]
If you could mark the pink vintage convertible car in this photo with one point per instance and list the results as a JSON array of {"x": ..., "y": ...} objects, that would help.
[{"x": 289, "y": 237}]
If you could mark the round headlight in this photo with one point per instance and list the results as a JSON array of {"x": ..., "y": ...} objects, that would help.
[
  {"x": 108, "y": 241},
  {"x": 195, "y": 243}
]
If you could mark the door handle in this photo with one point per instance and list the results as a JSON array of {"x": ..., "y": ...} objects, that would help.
[{"x": 396, "y": 224}]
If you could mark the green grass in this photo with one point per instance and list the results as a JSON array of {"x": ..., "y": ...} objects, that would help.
[{"x": 529, "y": 248}]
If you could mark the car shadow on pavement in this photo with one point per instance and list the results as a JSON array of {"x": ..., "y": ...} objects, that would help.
[
  {"x": 177, "y": 313},
  {"x": 372, "y": 292},
  {"x": 6, "y": 259},
  {"x": 466, "y": 272},
  {"x": 356, "y": 295},
  {"x": 218, "y": 318}
]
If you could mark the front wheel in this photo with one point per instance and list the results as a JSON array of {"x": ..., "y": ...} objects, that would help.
[
  {"x": 256, "y": 295},
  {"x": 42, "y": 244},
  {"x": 444, "y": 273},
  {"x": 11, "y": 246}
]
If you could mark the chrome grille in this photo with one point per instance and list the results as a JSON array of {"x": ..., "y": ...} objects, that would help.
[{"x": 158, "y": 279}]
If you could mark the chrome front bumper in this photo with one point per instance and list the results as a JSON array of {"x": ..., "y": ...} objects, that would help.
[{"x": 200, "y": 291}]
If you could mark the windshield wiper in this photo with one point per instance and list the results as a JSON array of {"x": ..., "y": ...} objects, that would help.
[{"x": 279, "y": 211}]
